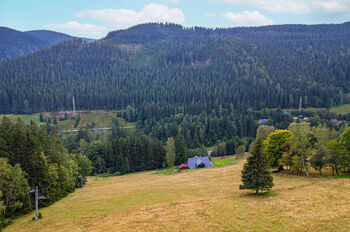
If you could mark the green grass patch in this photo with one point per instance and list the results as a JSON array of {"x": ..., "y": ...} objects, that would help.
[
  {"x": 342, "y": 109},
  {"x": 212, "y": 148},
  {"x": 225, "y": 162},
  {"x": 25, "y": 118},
  {"x": 341, "y": 177},
  {"x": 166, "y": 171},
  {"x": 105, "y": 175},
  {"x": 100, "y": 119}
]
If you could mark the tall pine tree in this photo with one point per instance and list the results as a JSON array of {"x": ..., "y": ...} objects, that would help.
[
  {"x": 255, "y": 173},
  {"x": 180, "y": 149}
]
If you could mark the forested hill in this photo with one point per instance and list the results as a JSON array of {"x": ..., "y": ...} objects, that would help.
[
  {"x": 54, "y": 37},
  {"x": 15, "y": 43},
  {"x": 162, "y": 69}
]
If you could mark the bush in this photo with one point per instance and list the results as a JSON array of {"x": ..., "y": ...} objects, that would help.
[
  {"x": 197, "y": 152},
  {"x": 5, "y": 222},
  {"x": 104, "y": 175},
  {"x": 77, "y": 121}
]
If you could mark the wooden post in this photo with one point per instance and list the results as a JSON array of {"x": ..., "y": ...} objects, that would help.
[
  {"x": 73, "y": 107},
  {"x": 36, "y": 203}
]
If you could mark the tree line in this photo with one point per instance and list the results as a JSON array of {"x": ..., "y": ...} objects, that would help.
[
  {"x": 222, "y": 126},
  {"x": 301, "y": 147},
  {"x": 297, "y": 149},
  {"x": 30, "y": 157}
]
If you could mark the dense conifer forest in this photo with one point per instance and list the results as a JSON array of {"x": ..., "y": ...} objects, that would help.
[
  {"x": 30, "y": 157},
  {"x": 164, "y": 69}
]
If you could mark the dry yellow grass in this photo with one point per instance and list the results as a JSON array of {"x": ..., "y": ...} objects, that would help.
[{"x": 200, "y": 200}]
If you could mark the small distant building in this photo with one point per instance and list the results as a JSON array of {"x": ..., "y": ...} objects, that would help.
[
  {"x": 199, "y": 162},
  {"x": 301, "y": 116},
  {"x": 295, "y": 118},
  {"x": 336, "y": 121},
  {"x": 306, "y": 119},
  {"x": 264, "y": 120}
]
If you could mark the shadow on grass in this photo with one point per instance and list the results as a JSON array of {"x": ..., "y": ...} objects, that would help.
[{"x": 259, "y": 195}]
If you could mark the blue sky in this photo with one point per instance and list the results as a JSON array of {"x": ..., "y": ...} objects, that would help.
[{"x": 94, "y": 18}]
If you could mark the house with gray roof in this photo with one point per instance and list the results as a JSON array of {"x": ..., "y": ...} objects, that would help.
[{"x": 199, "y": 162}]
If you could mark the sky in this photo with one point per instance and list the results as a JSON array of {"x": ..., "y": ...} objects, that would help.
[{"x": 95, "y": 18}]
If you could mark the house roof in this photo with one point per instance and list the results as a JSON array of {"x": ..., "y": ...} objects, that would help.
[
  {"x": 336, "y": 121},
  {"x": 193, "y": 162},
  {"x": 264, "y": 120}
]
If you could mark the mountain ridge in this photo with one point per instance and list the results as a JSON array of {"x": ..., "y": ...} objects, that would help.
[
  {"x": 159, "y": 68},
  {"x": 14, "y": 43}
]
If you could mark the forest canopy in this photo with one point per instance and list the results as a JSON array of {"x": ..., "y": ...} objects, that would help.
[{"x": 164, "y": 69}]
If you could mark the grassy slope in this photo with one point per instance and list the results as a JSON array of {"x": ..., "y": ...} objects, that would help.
[
  {"x": 224, "y": 161},
  {"x": 342, "y": 109},
  {"x": 101, "y": 120},
  {"x": 203, "y": 200},
  {"x": 212, "y": 148},
  {"x": 26, "y": 118}
]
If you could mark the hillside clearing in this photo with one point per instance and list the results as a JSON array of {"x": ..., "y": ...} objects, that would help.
[
  {"x": 100, "y": 119},
  {"x": 342, "y": 109},
  {"x": 204, "y": 200}
]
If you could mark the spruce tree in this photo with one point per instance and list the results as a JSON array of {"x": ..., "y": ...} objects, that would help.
[
  {"x": 255, "y": 173},
  {"x": 180, "y": 149}
]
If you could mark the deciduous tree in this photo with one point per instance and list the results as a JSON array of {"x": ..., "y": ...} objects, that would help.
[
  {"x": 170, "y": 152},
  {"x": 276, "y": 144}
]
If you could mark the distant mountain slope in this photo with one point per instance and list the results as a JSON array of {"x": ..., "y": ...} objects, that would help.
[
  {"x": 15, "y": 43},
  {"x": 54, "y": 37},
  {"x": 50, "y": 36},
  {"x": 162, "y": 69}
]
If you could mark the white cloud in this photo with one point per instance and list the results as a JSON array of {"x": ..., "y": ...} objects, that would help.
[
  {"x": 78, "y": 29},
  {"x": 248, "y": 18},
  {"x": 124, "y": 18},
  {"x": 295, "y": 6},
  {"x": 335, "y": 6},
  {"x": 210, "y": 15},
  {"x": 291, "y": 6}
]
